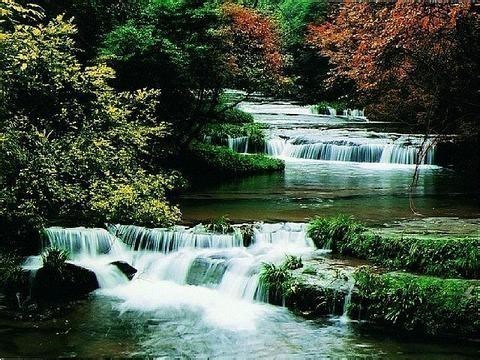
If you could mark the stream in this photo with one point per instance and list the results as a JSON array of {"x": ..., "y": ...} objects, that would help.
[{"x": 198, "y": 295}]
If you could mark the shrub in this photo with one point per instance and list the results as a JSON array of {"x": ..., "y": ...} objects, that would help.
[
  {"x": 221, "y": 225},
  {"x": 54, "y": 259},
  {"x": 12, "y": 277},
  {"x": 226, "y": 162},
  {"x": 219, "y": 133},
  {"x": 142, "y": 200},
  {"x": 428, "y": 305},
  {"x": 235, "y": 116},
  {"x": 322, "y": 107}
]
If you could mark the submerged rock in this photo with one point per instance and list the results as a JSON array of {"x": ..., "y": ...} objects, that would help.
[
  {"x": 71, "y": 282},
  {"x": 128, "y": 270}
]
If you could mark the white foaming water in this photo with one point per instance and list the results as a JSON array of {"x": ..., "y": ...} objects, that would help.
[
  {"x": 185, "y": 269},
  {"x": 401, "y": 151},
  {"x": 238, "y": 144}
]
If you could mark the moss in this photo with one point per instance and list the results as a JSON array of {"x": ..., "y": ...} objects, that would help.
[
  {"x": 424, "y": 304},
  {"x": 224, "y": 162},
  {"x": 439, "y": 256}
]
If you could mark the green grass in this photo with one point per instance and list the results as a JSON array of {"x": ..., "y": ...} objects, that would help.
[
  {"x": 439, "y": 256},
  {"x": 423, "y": 304},
  {"x": 222, "y": 161}
]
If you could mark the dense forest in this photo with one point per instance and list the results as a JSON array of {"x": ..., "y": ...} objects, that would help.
[{"x": 109, "y": 110}]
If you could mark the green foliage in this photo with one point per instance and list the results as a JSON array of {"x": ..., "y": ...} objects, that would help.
[
  {"x": 67, "y": 138},
  {"x": 293, "y": 262},
  {"x": 222, "y": 225},
  {"x": 226, "y": 162},
  {"x": 446, "y": 257},
  {"x": 322, "y": 107},
  {"x": 54, "y": 259},
  {"x": 11, "y": 274},
  {"x": 141, "y": 200},
  {"x": 418, "y": 303},
  {"x": 332, "y": 233},
  {"x": 281, "y": 284},
  {"x": 235, "y": 116},
  {"x": 276, "y": 280}
]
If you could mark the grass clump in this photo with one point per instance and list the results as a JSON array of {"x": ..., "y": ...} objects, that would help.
[
  {"x": 279, "y": 281},
  {"x": 54, "y": 259},
  {"x": 423, "y": 304},
  {"x": 293, "y": 262},
  {"x": 235, "y": 116},
  {"x": 333, "y": 233},
  {"x": 226, "y": 162},
  {"x": 276, "y": 280},
  {"x": 222, "y": 225},
  {"x": 439, "y": 256}
]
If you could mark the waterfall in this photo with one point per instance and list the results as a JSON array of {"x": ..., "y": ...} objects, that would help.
[
  {"x": 354, "y": 113},
  {"x": 238, "y": 144},
  {"x": 80, "y": 240},
  {"x": 398, "y": 152},
  {"x": 181, "y": 255},
  {"x": 169, "y": 240},
  {"x": 346, "y": 304}
]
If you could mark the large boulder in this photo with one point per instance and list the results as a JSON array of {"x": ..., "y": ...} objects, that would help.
[
  {"x": 71, "y": 282},
  {"x": 128, "y": 270}
]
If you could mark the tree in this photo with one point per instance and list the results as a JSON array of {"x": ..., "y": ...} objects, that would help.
[
  {"x": 69, "y": 143},
  {"x": 254, "y": 49},
  {"x": 417, "y": 63}
]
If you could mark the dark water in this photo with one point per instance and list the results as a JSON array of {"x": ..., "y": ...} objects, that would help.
[{"x": 370, "y": 192}]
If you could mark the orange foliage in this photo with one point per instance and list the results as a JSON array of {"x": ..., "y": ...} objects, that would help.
[
  {"x": 253, "y": 45},
  {"x": 409, "y": 49}
]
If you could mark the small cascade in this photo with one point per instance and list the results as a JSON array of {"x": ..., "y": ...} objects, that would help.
[
  {"x": 238, "y": 144},
  {"x": 167, "y": 240},
  {"x": 285, "y": 234},
  {"x": 275, "y": 147},
  {"x": 346, "y": 305},
  {"x": 354, "y": 113},
  {"x": 188, "y": 260},
  {"x": 398, "y": 152},
  {"x": 80, "y": 241}
]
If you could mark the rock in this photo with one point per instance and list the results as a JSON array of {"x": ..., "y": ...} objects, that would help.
[
  {"x": 206, "y": 270},
  {"x": 72, "y": 282},
  {"x": 128, "y": 270}
]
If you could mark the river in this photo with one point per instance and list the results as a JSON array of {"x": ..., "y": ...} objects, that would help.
[
  {"x": 372, "y": 182},
  {"x": 197, "y": 295}
]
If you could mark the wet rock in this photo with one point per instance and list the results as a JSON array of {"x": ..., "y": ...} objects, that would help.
[
  {"x": 128, "y": 270},
  {"x": 206, "y": 270},
  {"x": 71, "y": 282},
  {"x": 248, "y": 233}
]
